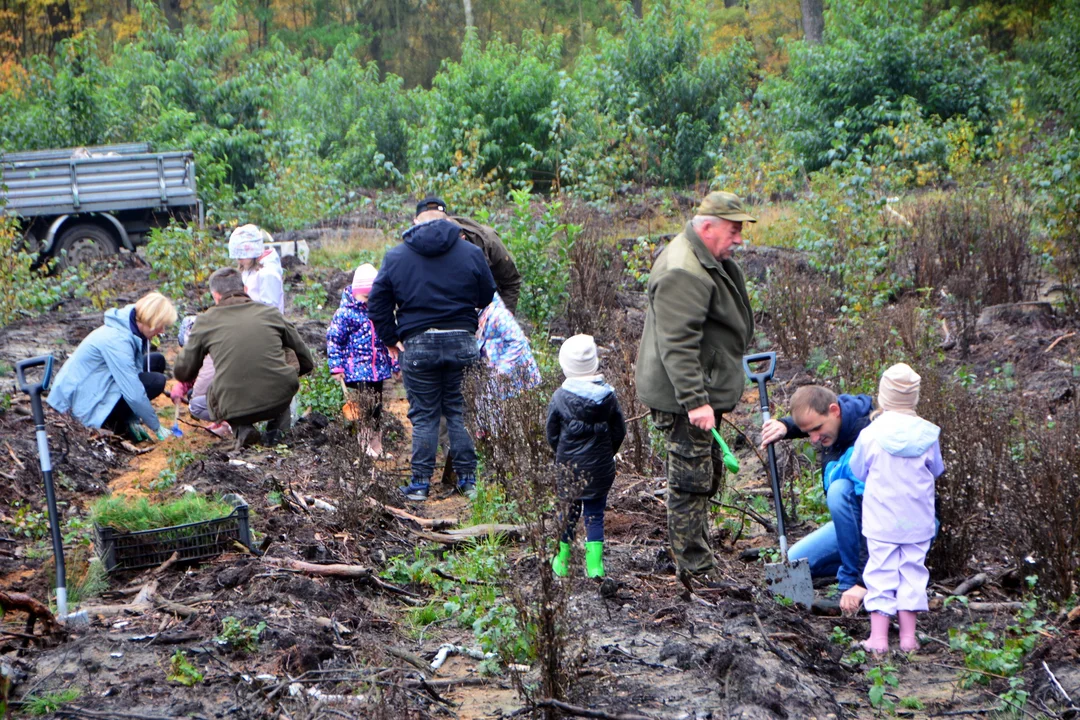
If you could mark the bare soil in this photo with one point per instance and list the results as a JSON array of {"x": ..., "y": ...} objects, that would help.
[{"x": 649, "y": 648}]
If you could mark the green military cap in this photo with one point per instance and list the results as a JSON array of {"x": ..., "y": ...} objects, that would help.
[{"x": 724, "y": 205}]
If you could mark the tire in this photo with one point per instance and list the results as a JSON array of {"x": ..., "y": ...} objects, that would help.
[{"x": 84, "y": 243}]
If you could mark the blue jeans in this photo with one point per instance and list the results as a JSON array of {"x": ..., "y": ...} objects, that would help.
[
  {"x": 433, "y": 367},
  {"x": 837, "y": 549},
  {"x": 594, "y": 519}
]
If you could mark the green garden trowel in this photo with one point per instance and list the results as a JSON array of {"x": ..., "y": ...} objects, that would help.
[{"x": 730, "y": 461}]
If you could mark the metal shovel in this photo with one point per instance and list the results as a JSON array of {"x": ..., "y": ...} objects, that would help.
[
  {"x": 34, "y": 390},
  {"x": 785, "y": 578}
]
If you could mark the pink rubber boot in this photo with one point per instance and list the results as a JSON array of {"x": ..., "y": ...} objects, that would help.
[
  {"x": 878, "y": 642},
  {"x": 908, "y": 641}
]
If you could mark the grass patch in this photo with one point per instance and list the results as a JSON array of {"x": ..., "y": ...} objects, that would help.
[
  {"x": 347, "y": 253},
  {"x": 129, "y": 515},
  {"x": 50, "y": 702}
]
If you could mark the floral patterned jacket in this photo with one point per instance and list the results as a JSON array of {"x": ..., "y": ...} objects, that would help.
[
  {"x": 506, "y": 349},
  {"x": 353, "y": 348}
]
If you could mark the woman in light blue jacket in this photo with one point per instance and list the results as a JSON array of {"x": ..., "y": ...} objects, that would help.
[{"x": 110, "y": 379}]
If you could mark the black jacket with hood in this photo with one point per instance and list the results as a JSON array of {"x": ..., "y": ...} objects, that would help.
[
  {"x": 433, "y": 280},
  {"x": 585, "y": 428}
]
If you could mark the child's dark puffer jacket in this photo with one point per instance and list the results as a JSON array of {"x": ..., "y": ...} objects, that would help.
[{"x": 585, "y": 428}]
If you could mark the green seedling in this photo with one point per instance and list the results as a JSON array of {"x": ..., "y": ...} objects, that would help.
[
  {"x": 730, "y": 461},
  {"x": 182, "y": 671},
  {"x": 47, "y": 703},
  {"x": 240, "y": 637}
]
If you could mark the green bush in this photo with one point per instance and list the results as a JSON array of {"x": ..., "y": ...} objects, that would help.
[
  {"x": 183, "y": 257},
  {"x": 541, "y": 249},
  {"x": 661, "y": 74},
  {"x": 856, "y": 82},
  {"x": 501, "y": 94},
  {"x": 1054, "y": 77}
]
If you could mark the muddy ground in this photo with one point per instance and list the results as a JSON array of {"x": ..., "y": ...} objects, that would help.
[{"x": 339, "y": 647}]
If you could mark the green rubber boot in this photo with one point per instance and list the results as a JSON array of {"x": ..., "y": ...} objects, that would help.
[
  {"x": 560, "y": 564},
  {"x": 594, "y": 559}
]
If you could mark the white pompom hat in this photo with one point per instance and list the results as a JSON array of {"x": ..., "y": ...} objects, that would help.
[{"x": 578, "y": 357}]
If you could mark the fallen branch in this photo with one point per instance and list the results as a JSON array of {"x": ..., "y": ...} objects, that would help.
[
  {"x": 461, "y": 535},
  {"x": 972, "y": 583},
  {"x": 78, "y": 712},
  {"x": 142, "y": 603},
  {"x": 409, "y": 658},
  {"x": 1060, "y": 338},
  {"x": 429, "y": 523},
  {"x": 748, "y": 513},
  {"x": 332, "y": 570},
  {"x": 1057, "y": 685},
  {"x": 578, "y": 711},
  {"x": 35, "y": 610}
]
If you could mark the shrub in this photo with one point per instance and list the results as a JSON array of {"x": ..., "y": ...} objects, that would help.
[
  {"x": 660, "y": 69},
  {"x": 26, "y": 290},
  {"x": 1044, "y": 489},
  {"x": 182, "y": 258},
  {"x": 974, "y": 249},
  {"x": 499, "y": 95},
  {"x": 1054, "y": 76},
  {"x": 855, "y": 82},
  {"x": 541, "y": 249}
]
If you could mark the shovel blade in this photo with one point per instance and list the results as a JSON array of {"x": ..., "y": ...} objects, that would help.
[{"x": 791, "y": 580}]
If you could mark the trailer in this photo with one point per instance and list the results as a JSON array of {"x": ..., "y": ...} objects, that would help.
[{"x": 83, "y": 204}]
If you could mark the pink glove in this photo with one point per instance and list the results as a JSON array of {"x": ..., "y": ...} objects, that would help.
[{"x": 179, "y": 390}]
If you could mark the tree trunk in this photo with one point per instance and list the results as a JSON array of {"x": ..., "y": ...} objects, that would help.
[
  {"x": 813, "y": 17},
  {"x": 731, "y": 3},
  {"x": 638, "y": 9},
  {"x": 468, "y": 14},
  {"x": 171, "y": 10}
]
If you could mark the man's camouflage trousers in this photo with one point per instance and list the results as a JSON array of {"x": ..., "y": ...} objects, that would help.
[{"x": 695, "y": 473}]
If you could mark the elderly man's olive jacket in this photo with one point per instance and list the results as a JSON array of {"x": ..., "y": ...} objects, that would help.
[{"x": 697, "y": 328}]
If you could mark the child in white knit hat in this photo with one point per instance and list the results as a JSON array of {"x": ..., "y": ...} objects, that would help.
[
  {"x": 585, "y": 428},
  {"x": 899, "y": 459},
  {"x": 260, "y": 266}
]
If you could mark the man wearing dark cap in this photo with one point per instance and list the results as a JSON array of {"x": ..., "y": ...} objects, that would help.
[
  {"x": 503, "y": 269},
  {"x": 424, "y": 304},
  {"x": 689, "y": 366}
]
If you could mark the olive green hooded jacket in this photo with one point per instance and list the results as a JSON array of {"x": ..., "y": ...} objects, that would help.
[
  {"x": 248, "y": 342},
  {"x": 697, "y": 328}
]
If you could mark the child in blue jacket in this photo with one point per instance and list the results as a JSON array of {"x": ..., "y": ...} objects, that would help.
[{"x": 357, "y": 356}]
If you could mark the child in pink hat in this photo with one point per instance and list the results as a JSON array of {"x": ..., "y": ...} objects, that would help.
[
  {"x": 899, "y": 458},
  {"x": 357, "y": 357}
]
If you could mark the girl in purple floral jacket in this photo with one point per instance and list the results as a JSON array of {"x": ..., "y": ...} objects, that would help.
[{"x": 357, "y": 356}]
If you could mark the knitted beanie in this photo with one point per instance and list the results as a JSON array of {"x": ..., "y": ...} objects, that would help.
[
  {"x": 364, "y": 278},
  {"x": 578, "y": 358},
  {"x": 899, "y": 389},
  {"x": 246, "y": 242}
]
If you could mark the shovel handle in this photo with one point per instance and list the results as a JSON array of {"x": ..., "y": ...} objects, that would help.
[
  {"x": 764, "y": 375},
  {"x": 23, "y": 365}
]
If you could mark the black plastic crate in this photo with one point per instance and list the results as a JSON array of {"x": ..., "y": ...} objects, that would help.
[{"x": 194, "y": 541}]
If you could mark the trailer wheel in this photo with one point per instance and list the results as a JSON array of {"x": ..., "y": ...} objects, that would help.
[{"x": 84, "y": 243}]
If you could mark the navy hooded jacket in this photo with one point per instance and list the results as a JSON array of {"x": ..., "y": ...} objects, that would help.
[
  {"x": 434, "y": 280},
  {"x": 854, "y": 417}
]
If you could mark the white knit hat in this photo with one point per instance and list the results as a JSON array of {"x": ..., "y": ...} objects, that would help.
[
  {"x": 899, "y": 389},
  {"x": 578, "y": 358},
  {"x": 364, "y": 278},
  {"x": 246, "y": 241}
]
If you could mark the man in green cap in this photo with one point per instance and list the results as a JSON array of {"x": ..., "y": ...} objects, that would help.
[{"x": 689, "y": 365}]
